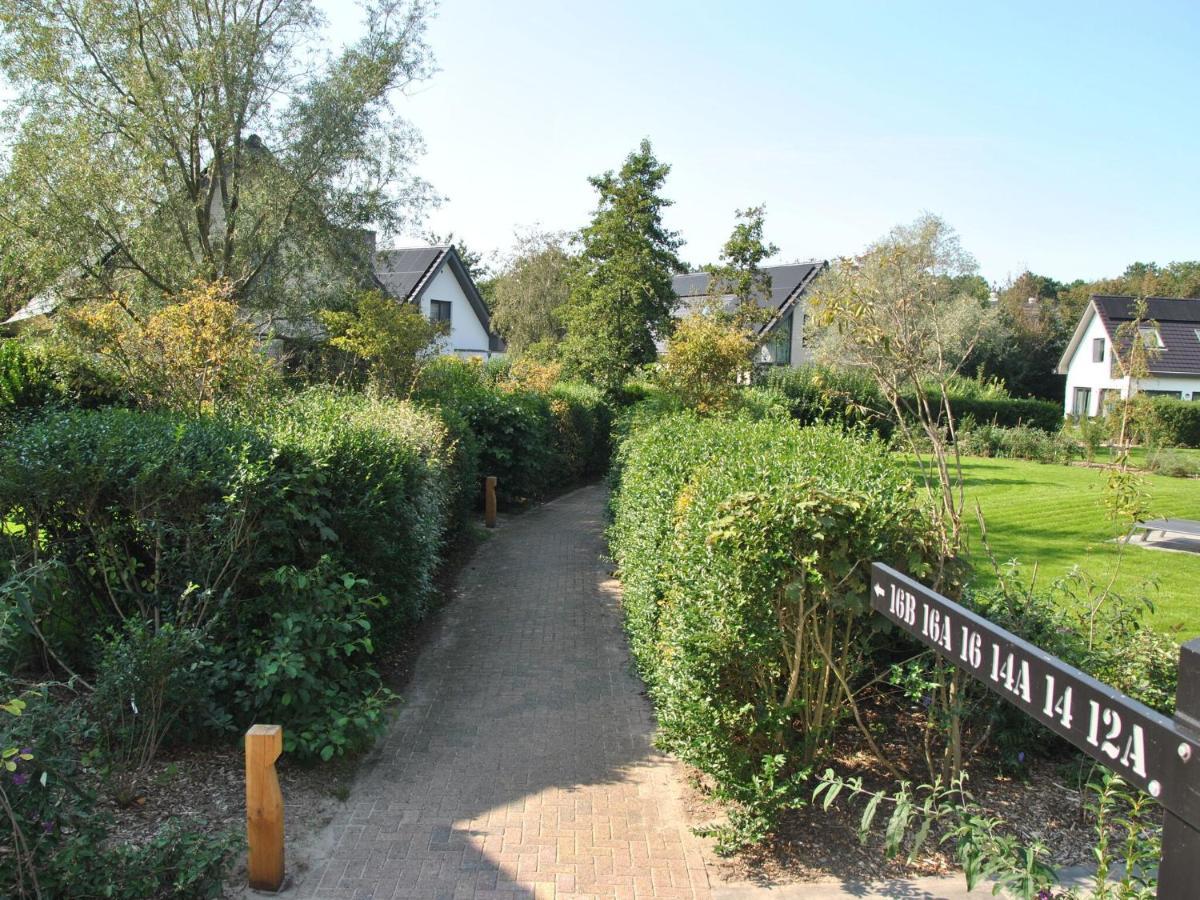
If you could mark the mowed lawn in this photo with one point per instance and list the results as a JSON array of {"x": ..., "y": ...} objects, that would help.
[{"x": 1053, "y": 515}]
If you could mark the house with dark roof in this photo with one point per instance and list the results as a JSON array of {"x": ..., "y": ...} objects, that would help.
[
  {"x": 781, "y": 334},
  {"x": 435, "y": 279},
  {"x": 1096, "y": 361}
]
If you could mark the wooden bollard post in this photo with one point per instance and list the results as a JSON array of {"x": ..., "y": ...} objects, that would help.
[
  {"x": 264, "y": 807},
  {"x": 489, "y": 502}
]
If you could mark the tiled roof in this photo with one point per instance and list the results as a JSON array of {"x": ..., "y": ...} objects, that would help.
[
  {"x": 692, "y": 288},
  {"x": 784, "y": 281},
  {"x": 1178, "y": 323},
  {"x": 402, "y": 272}
]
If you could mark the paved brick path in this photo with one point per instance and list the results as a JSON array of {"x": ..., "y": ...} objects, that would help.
[{"x": 520, "y": 764}]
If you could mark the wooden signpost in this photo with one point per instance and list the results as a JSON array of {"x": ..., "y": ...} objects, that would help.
[
  {"x": 489, "y": 502},
  {"x": 264, "y": 807},
  {"x": 1159, "y": 755}
]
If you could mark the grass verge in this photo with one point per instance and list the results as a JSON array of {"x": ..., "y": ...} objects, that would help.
[{"x": 1053, "y": 516}]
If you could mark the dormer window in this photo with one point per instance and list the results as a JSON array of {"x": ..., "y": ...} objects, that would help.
[
  {"x": 439, "y": 311},
  {"x": 1150, "y": 337}
]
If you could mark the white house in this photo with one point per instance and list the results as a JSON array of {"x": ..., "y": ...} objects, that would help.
[
  {"x": 1095, "y": 359},
  {"x": 435, "y": 279},
  {"x": 781, "y": 336}
]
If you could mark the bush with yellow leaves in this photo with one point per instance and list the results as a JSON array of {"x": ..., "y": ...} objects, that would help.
[
  {"x": 703, "y": 361},
  {"x": 185, "y": 357}
]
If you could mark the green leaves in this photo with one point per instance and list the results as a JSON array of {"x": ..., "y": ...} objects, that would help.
[{"x": 742, "y": 547}]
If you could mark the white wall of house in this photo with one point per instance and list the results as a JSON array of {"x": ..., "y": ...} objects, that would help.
[
  {"x": 1097, "y": 377},
  {"x": 468, "y": 338},
  {"x": 1082, "y": 372},
  {"x": 800, "y": 352},
  {"x": 1186, "y": 386}
]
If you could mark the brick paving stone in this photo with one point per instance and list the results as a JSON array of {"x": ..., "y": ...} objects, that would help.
[{"x": 519, "y": 766}]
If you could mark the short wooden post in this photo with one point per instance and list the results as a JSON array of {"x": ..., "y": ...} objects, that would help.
[
  {"x": 264, "y": 807},
  {"x": 1179, "y": 871},
  {"x": 489, "y": 502}
]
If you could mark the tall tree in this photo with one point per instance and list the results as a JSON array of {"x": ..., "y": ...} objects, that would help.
[
  {"x": 905, "y": 312},
  {"x": 531, "y": 290},
  {"x": 162, "y": 141},
  {"x": 1031, "y": 332},
  {"x": 621, "y": 296},
  {"x": 740, "y": 273}
]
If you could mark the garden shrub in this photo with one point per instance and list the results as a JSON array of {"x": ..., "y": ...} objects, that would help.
[
  {"x": 151, "y": 516},
  {"x": 1178, "y": 421},
  {"x": 534, "y": 442},
  {"x": 703, "y": 360},
  {"x": 160, "y": 518},
  {"x": 305, "y": 658},
  {"x": 383, "y": 491},
  {"x": 145, "y": 681},
  {"x": 744, "y": 547},
  {"x": 821, "y": 394},
  {"x": 1017, "y": 442},
  {"x": 1176, "y": 465},
  {"x": 25, "y": 379},
  {"x": 59, "y": 832},
  {"x": 188, "y": 355}
]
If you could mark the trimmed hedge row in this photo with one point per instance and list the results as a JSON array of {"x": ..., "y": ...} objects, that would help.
[
  {"x": 294, "y": 544},
  {"x": 816, "y": 394},
  {"x": 743, "y": 548},
  {"x": 1178, "y": 421},
  {"x": 534, "y": 443}
]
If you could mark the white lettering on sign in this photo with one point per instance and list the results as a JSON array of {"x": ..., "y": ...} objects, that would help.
[
  {"x": 1114, "y": 729},
  {"x": 1012, "y": 673},
  {"x": 1058, "y": 705},
  {"x": 972, "y": 647},
  {"x": 903, "y": 605}
]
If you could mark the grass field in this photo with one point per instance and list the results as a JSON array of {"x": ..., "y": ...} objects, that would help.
[{"x": 1052, "y": 515}]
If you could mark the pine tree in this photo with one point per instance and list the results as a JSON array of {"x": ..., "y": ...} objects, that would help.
[{"x": 621, "y": 295}]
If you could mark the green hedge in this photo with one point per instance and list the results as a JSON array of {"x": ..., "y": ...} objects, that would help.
[
  {"x": 1177, "y": 421},
  {"x": 533, "y": 443},
  {"x": 818, "y": 394},
  {"x": 282, "y": 541},
  {"x": 727, "y": 533}
]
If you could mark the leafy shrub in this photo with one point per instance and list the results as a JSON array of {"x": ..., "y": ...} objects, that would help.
[
  {"x": 145, "y": 680},
  {"x": 1018, "y": 442},
  {"x": 146, "y": 515},
  {"x": 381, "y": 476},
  {"x": 152, "y": 517},
  {"x": 186, "y": 356},
  {"x": 820, "y": 394},
  {"x": 308, "y": 662},
  {"x": 391, "y": 340},
  {"x": 59, "y": 835},
  {"x": 1176, "y": 465},
  {"x": 745, "y": 552},
  {"x": 703, "y": 361},
  {"x": 533, "y": 442},
  {"x": 584, "y": 420},
  {"x": 25, "y": 379},
  {"x": 1178, "y": 421}
]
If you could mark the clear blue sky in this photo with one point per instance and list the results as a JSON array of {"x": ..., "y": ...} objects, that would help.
[{"x": 1062, "y": 137}]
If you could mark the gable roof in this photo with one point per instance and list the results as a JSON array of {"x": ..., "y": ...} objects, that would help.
[
  {"x": 1178, "y": 321},
  {"x": 405, "y": 272},
  {"x": 788, "y": 283}
]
